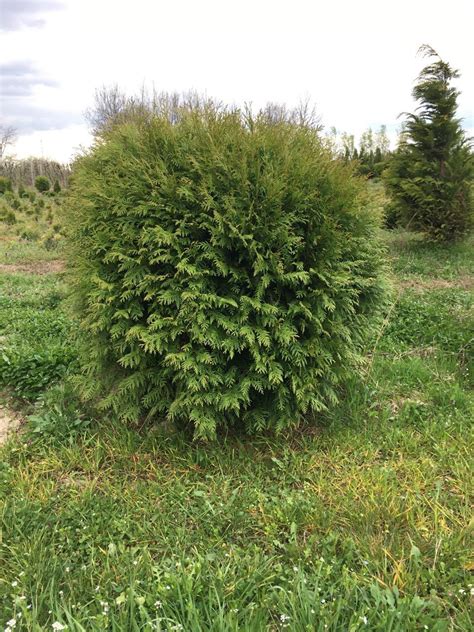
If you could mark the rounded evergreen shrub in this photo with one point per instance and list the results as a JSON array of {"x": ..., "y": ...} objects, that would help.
[
  {"x": 7, "y": 215},
  {"x": 42, "y": 184},
  {"x": 29, "y": 234},
  {"x": 15, "y": 203},
  {"x": 5, "y": 184},
  {"x": 226, "y": 271}
]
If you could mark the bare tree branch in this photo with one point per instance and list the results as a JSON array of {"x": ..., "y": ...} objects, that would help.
[
  {"x": 8, "y": 136},
  {"x": 109, "y": 103}
]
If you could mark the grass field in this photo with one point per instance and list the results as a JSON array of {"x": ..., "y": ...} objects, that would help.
[{"x": 359, "y": 523}]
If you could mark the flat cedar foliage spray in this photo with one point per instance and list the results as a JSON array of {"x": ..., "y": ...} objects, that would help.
[
  {"x": 430, "y": 176},
  {"x": 226, "y": 270}
]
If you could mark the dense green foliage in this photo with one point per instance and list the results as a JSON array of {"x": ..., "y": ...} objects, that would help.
[
  {"x": 42, "y": 184},
  {"x": 7, "y": 215},
  {"x": 35, "y": 348},
  {"x": 430, "y": 174},
  {"x": 225, "y": 270},
  {"x": 5, "y": 184}
]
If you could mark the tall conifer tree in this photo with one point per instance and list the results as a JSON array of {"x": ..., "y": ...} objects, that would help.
[{"x": 430, "y": 174}]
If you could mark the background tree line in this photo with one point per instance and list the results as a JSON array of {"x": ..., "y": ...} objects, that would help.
[
  {"x": 371, "y": 152},
  {"x": 25, "y": 172}
]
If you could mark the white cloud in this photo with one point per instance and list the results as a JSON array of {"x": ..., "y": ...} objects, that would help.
[
  {"x": 57, "y": 144},
  {"x": 356, "y": 60}
]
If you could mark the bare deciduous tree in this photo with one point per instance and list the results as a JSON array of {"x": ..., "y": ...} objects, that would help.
[
  {"x": 304, "y": 114},
  {"x": 109, "y": 103},
  {"x": 25, "y": 171},
  {"x": 112, "y": 105},
  {"x": 8, "y": 136}
]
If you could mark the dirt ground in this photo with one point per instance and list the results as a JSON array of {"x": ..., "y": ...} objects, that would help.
[
  {"x": 39, "y": 267},
  {"x": 465, "y": 282},
  {"x": 9, "y": 422}
]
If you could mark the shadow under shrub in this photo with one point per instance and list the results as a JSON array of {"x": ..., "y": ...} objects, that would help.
[{"x": 225, "y": 270}]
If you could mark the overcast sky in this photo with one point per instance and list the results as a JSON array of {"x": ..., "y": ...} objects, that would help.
[{"x": 356, "y": 60}]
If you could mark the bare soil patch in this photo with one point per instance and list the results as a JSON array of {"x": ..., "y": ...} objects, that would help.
[
  {"x": 37, "y": 267},
  {"x": 465, "y": 282},
  {"x": 9, "y": 422}
]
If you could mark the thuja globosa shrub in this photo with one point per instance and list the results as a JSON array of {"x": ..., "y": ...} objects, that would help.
[{"x": 226, "y": 271}]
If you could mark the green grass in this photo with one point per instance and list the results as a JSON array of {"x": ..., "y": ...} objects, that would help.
[
  {"x": 359, "y": 523},
  {"x": 35, "y": 347},
  {"x": 28, "y": 252},
  {"x": 412, "y": 257}
]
